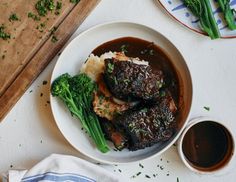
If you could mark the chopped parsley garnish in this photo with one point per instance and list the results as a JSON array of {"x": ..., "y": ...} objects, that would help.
[
  {"x": 53, "y": 30},
  {"x": 177, "y": 179},
  {"x": 42, "y": 25},
  {"x": 115, "y": 81},
  {"x": 126, "y": 81},
  {"x": 140, "y": 165},
  {"x": 147, "y": 176},
  {"x": 144, "y": 110},
  {"x": 162, "y": 93},
  {"x": 3, "y": 34},
  {"x": 58, "y": 8},
  {"x": 74, "y": 1},
  {"x": 206, "y": 108},
  {"x": 33, "y": 16},
  {"x": 151, "y": 52},
  {"x": 110, "y": 67},
  {"x": 13, "y": 17},
  {"x": 45, "y": 82},
  {"x": 43, "y": 6},
  {"x": 138, "y": 173},
  {"x": 124, "y": 48},
  {"x": 54, "y": 39},
  {"x": 134, "y": 176},
  {"x": 144, "y": 51}
]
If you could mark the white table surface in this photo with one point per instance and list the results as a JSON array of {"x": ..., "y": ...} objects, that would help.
[{"x": 29, "y": 133}]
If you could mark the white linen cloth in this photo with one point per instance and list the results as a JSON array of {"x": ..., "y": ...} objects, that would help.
[{"x": 63, "y": 168}]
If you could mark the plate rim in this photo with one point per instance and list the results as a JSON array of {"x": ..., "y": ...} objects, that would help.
[
  {"x": 92, "y": 28},
  {"x": 188, "y": 27}
]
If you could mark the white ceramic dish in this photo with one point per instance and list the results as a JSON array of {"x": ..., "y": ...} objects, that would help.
[
  {"x": 183, "y": 15},
  {"x": 191, "y": 123},
  {"x": 74, "y": 56}
]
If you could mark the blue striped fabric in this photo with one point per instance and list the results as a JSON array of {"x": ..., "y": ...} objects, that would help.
[{"x": 57, "y": 177}]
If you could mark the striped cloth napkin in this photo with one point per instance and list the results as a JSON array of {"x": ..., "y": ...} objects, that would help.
[{"x": 63, "y": 168}]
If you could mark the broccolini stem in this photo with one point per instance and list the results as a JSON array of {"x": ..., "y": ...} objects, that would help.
[
  {"x": 228, "y": 13},
  {"x": 212, "y": 20}
]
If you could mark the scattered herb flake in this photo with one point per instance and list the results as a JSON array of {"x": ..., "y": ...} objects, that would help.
[
  {"x": 74, "y": 1},
  {"x": 140, "y": 165},
  {"x": 147, "y": 176},
  {"x": 110, "y": 67},
  {"x": 43, "y": 6},
  {"x": 13, "y": 17},
  {"x": 41, "y": 94},
  {"x": 138, "y": 173},
  {"x": 41, "y": 141},
  {"x": 151, "y": 52},
  {"x": 45, "y": 82},
  {"x": 58, "y": 8},
  {"x": 124, "y": 48},
  {"x": 3, "y": 56},
  {"x": 144, "y": 110},
  {"x": 33, "y": 16},
  {"x": 3, "y": 34},
  {"x": 42, "y": 25},
  {"x": 30, "y": 91},
  {"x": 48, "y": 102},
  {"x": 143, "y": 51},
  {"x": 119, "y": 170},
  {"x": 177, "y": 179},
  {"x": 206, "y": 108},
  {"x": 54, "y": 39},
  {"x": 11, "y": 166}
]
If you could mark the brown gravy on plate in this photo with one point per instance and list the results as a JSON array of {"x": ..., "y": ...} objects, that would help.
[{"x": 148, "y": 51}]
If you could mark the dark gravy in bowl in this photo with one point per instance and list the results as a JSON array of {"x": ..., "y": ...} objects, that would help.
[{"x": 207, "y": 146}]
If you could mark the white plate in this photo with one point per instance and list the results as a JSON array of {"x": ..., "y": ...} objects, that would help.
[
  {"x": 183, "y": 15},
  {"x": 71, "y": 60}
]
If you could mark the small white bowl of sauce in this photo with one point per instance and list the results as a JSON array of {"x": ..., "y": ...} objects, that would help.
[{"x": 206, "y": 146}]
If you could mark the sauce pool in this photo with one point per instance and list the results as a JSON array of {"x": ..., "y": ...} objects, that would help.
[
  {"x": 147, "y": 51},
  {"x": 207, "y": 145}
]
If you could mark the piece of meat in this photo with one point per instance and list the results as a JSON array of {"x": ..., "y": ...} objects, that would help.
[
  {"x": 132, "y": 79},
  {"x": 117, "y": 137},
  {"x": 149, "y": 125}
]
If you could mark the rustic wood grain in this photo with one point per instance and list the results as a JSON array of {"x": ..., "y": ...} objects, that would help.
[
  {"x": 24, "y": 67},
  {"x": 27, "y": 36}
]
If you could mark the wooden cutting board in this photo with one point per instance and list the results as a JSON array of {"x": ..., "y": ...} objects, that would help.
[{"x": 33, "y": 42}]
